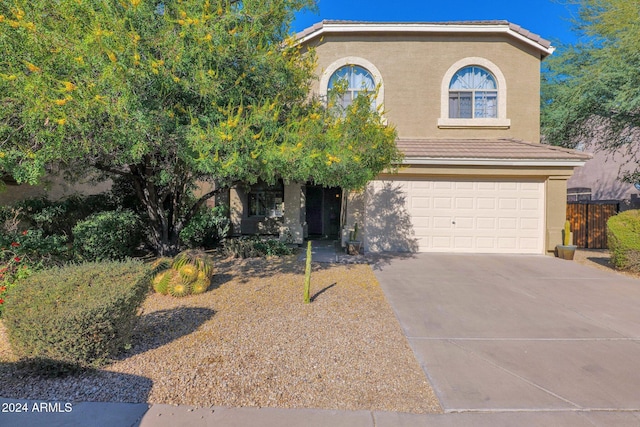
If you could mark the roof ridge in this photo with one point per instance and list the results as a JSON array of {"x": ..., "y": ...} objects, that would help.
[{"x": 319, "y": 27}]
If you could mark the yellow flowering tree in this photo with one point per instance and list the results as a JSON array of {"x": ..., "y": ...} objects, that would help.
[{"x": 167, "y": 93}]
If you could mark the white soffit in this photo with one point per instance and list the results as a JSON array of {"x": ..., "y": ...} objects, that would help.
[{"x": 410, "y": 27}]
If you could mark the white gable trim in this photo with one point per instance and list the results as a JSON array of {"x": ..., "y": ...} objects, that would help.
[{"x": 409, "y": 27}]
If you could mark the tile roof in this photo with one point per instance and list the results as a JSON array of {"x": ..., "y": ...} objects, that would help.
[
  {"x": 494, "y": 149},
  {"x": 455, "y": 26}
]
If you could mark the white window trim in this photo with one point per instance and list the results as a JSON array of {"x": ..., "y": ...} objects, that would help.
[
  {"x": 501, "y": 122},
  {"x": 353, "y": 60}
]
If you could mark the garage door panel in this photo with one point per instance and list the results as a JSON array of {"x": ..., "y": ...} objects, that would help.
[
  {"x": 442, "y": 203},
  {"x": 507, "y": 243},
  {"x": 442, "y": 185},
  {"x": 487, "y": 185},
  {"x": 421, "y": 185},
  {"x": 486, "y": 224},
  {"x": 507, "y": 223},
  {"x": 464, "y": 185},
  {"x": 486, "y": 203},
  {"x": 530, "y": 204},
  {"x": 418, "y": 202},
  {"x": 529, "y": 223},
  {"x": 464, "y": 203},
  {"x": 508, "y": 204},
  {"x": 462, "y": 223},
  {"x": 442, "y": 222},
  {"x": 466, "y": 216}
]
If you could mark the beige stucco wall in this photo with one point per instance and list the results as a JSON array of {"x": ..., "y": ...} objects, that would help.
[
  {"x": 412, "y": 69},
  {"x": 54, "y": 188}
]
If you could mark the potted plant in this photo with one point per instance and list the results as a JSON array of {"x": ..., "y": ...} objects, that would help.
[
  {"x": 353, "y": 245},
  {"x": 566, "y": 250}
]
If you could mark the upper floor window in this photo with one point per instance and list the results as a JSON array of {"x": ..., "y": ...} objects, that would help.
[
  {"x": 355, "y": 75},
  {"x": 352, "y": 80},
  {"x": 473, "y": 93}
]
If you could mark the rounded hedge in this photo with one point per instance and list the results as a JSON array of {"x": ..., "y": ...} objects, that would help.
[
  {"x": 623, "y": 239},
  {"x": 78, "y": 315},
  {"x": 109, "y": 235}
]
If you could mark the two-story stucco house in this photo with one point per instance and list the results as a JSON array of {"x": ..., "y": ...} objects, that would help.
[{"x": 465, "y": 100}]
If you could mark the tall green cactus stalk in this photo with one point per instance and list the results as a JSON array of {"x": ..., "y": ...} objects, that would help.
[
  {"x": 307, "y": 276},
  {"x": 354, "y": 233},
  {"x": 567, "y": 233}
]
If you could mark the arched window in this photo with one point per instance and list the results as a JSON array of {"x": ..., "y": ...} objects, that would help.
[
  {"x": 357, "y": 74},
  {"x": 473, "y": 93},
  {"x": 352, "y": 79}
]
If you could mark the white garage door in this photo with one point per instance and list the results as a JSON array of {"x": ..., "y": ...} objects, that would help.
[{"x": 456, "y": 216}]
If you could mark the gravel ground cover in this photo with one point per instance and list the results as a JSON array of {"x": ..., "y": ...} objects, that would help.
[
  {"x": 600, "y": 259},
  {"x": 250, "y": 341}
]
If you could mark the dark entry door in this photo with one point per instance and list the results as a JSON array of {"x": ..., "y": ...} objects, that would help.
[
  {"x": 323, "y": 211},
  {"x": 314, "y": 210},
  {"x": 331, "y": 211}
]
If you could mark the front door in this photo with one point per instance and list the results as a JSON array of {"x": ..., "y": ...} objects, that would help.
[{"x": 323, "y": 211}]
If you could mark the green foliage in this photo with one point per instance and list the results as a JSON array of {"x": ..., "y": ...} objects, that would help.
[
  {"x": 53, "y": 217},
  {"x": 207, "y": 228},
  {"x": 307, "y": 276},
  {"x": 111, "y": 235},
  {"x": 590, "y": 89},
  {"x": 254, "y": 246},
  {"x": 165, "y": 98},
  {"x": 623, "y": 239},
  {"x": 23, "y": 253},
  {"x": 79, "y": 314}
]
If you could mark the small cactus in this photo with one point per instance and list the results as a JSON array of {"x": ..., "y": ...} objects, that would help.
[
  {"x": 201, "y": 284},
  {"x": 567, "y": 233},
  {"x": 307, "y": 276},
  {"x": 354, "y": 234},
  {"x": 189, "y": 272},
  {"x": 161, "y": 282},
  {"x": 177, "y": 286},
  {"x": 199, "y": 259},
  {"x": 160, "y": 265}
]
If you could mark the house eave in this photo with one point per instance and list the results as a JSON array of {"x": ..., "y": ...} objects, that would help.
[
  {"x": 328, "y": 27},
  {"x": 492, "y": 162}
]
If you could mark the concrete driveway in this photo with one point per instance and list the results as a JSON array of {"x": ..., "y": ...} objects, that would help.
[{"x": 526, "y": 335}]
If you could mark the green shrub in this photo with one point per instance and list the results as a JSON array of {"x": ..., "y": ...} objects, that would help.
[
  {"x": 207, "y": 228},
  {"x": 623, "y": 239},
  {"x": 59, "y": 217},
  {"x": 254, "y": 246},
  {"x": 79, "y": 315},
  {"x": 23, "y": 253},
  {"x": 111, "y": 235}
]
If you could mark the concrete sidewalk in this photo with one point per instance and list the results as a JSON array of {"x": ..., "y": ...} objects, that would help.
[
  {"x": 134, "y": 415},
  {"x": 330, "y": 252}
]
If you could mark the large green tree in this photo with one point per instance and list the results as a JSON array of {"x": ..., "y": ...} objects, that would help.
[
  {"x": 166, "y": 94},
  {"x": 591, "y": 90}
]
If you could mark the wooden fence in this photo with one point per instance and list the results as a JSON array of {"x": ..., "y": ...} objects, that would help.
[{"x": 589, "y": 223}]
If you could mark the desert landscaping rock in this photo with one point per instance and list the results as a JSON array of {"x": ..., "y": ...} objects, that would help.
[{"x": 250, "y": 341}]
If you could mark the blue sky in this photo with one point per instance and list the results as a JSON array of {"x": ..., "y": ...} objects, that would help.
[{"x": 548, "y": 18}]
